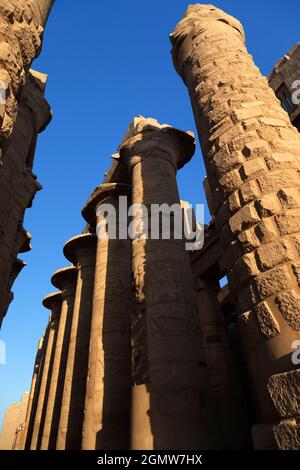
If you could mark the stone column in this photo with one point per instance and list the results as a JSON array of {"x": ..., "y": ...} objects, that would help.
[
  {"x": 107, "y": 406},
  {"x": 176, "y": 371},
  {"x": 80, "y": 250},
  {"x": 18, "y": 185},
  {"x": 53, "y": 303},
  {"x": 21, "y": 28},
  {"x": 65, "y": 280},
  {"x": 34, "y": 389},
  {"x": 251, "y": 153},
  {"x": 228, "y": 403}
]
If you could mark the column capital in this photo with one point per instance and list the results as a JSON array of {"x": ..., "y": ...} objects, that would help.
[
  {"x": 98, "y": 196},
  {"x": 81, "y": 249},
  {"x": 199, "y": 19},
  {"x": 65, "y": 280},
  {"x": 53, "y": 302},
  {"x": 145, "y": 136}
]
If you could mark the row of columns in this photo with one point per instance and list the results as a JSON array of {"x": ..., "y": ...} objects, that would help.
[
  {"x": 124, "y": 365},
  {"x": 150, "y": 368}
]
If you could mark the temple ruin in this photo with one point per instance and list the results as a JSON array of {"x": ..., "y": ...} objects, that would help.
[{"x": 144, "y": 348}]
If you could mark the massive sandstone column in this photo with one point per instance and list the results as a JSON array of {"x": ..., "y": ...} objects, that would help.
[
  {"x": 81, "y": 251},
  {"x": 53, "y": 303},
  {"x": 21, "y": 28},
  {"x": 65, "y": 280},
  {"x": 164, "y": 285},
  {"x": 18, "y": 184},
  {"x": 34, "y": 390},
  {"x": 107, "y": 407},
  {"x": 251, "y": 152}
]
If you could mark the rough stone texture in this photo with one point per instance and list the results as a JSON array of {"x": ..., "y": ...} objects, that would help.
[
  {"x": 287, "y": 434},
  {"x": 13, "y": 422},
  {"x": 17, "y": 182},
  {"x": 224, "y": 85},
  {"x": 281, "y": 79},
  {"x": 163, "y": 282},
  {"x": 284, "y": 390},
  {"x": 107, "y": 405},
  {"x": 22, "y": 25},
  {"x": 81, "y": 251}
]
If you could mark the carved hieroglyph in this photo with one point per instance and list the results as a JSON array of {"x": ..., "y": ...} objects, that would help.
[{"x": 251, "y": 153}]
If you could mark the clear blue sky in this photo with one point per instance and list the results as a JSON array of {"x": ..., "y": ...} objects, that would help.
[{"x": 107, "y": 62}]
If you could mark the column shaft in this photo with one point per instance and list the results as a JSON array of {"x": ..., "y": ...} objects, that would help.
[
  {"x": 251, "y": 152},
  {"x": 107, "y": 406},
  {"x": 81, "y": 250},
  {"x": 34, "y": 389},
  {"x": 64, "y": 279},
  {"x": 47, "y": 370},
  {"x": 163, "y": 279}
]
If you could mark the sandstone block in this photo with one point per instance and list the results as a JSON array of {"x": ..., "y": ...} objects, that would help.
[
  {"x": 252, "y": 166},
  {"x": 272, "y": 281},
  {"x": 248, "y": 240},
  {"x": 266, "y": 230},
  {"x": 267, "y": 322},
  {"x": 289, "y": 306},
  {"x": 230, "y": 182},
  {"x": 268, "y": 205},
  {"x": 255, "y": 149},
  {"x": 246, "y": 267},
  {"x": 272, "y": 254},
  {"x": 289, "y": 222},
  {"x": 244, "y": 218},
  {"x": 287, "y": 435},
  {"x": 289, "y": 197},
  {"x": 284, "y": 390},
  {"x": 249, "y": 191}
]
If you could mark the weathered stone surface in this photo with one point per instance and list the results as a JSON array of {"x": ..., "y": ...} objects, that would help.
[
  {"x": 267, "y": 322},
  {"x": 21, "y": 32},
  {"x": 284, "y": 390},
  {"x": 163, "y": 282},
  {"x": 18, "y": 185},
  {"x": 289, "y": 306},
  {"x": 13, "y": 423},
  {"x": 272, "y": 254},
  {"x": 287, "y": 435},
  {"x": 244, "y": 218},
  {"x": 289, "y": 222},
  {"x": 206, "y": 35},
  {"x": 272, "y": 281}
]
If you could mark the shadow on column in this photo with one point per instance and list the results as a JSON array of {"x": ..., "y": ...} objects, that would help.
[{"x": 115, "y": 430}]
